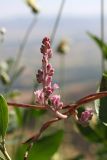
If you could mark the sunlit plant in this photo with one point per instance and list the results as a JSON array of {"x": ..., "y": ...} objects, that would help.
[{"x": 46, "y": 99}]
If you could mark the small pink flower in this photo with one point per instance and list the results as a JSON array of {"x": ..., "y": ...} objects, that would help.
[
  {"x": 56, "y": 102},
  {"x": 46, "y": 40},
  {"x": 39, "y": 96},
  {"x": 55, "y": 86},
  {"x": 48, "y": 81},
  {"x": 39, "y": 76}
]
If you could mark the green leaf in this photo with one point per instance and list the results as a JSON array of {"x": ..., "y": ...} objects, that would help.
[
  {"x": 103, "y": 102},
  {"x": 100, "y": 43},
  {"x": 102, "y": 153},
  {"x": 44, "y": 148},
  {"x": 99, "y": 126},
  {"x": 13, "y": 94},
  {"x": 89, "y": 133},
  {"x": 103, "y": 110},
  {"x": 4, "y": 77},
  {"x": 79, "y": 157},
  {"x": 19, "y": 115},
  {"x": 3, "y": 116},
  {"x": 105, "y": 74}
]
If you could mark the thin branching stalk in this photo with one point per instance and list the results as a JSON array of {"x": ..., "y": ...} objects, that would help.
[
  {"x": 55, "y": 27},
  {"x": 4, "y": 151},
  {"x": 25, "y": 39},
  {"x": 23, "y": 105},
  {"x": 27, "y": 151}
]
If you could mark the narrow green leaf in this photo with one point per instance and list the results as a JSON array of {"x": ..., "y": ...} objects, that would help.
[
  {"x": 103, "y": 102},
  {"x": 100, "y": 43},
  {"x": 103, "y": 110},
  {"x": 3, "y": 116}
]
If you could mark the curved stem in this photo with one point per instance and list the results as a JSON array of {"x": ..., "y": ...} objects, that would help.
[
  {"x": 4, "y": 151},
  {"x": 23, "y": 105},
  {"x": 57, "y": 21},
  {"x": 25, "y": 39},
  {"x": 102, "y": 20},
  {"x": 102, "y": 32}
]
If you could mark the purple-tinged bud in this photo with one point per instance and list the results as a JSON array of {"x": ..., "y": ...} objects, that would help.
[
  {"x": 48, "y": 80},
  {"x": 39, "y": 76},
  {"x": 43, "y": 50},
  {"x": 55, "y": 86},
  {"x": 39, "y": 96},
  {"x": 51, "y": 72},
  {"x": 40, "y": 71},
  {"x": 55, "y": 101},
  {"x": 47, "y": 44},
  {"x": 49, "y": 66},
  {"x": 85, "y": 117},
  {"x": 45, "y": 39},
  {"x": 49, "y": 52}
]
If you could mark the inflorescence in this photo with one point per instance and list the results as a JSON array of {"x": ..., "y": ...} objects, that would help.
[{"x": 46, "y": 96}]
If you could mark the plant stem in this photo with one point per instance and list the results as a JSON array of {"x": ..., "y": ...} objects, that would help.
[
  {"x": 102, "y": 32},
  {"x": 27, "y": 151},
  {"x": 25, "y": 39},
  {"x": 4, "y": 151},
  {"x": 22, "y": 105},
  {"x": 57, "y": 21}
]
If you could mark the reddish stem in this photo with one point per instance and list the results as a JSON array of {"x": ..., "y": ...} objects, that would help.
[{"x": 22, "y": 105}]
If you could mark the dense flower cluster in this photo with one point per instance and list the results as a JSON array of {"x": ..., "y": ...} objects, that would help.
[
  {"x": 44, "y": 76},
  {"x": 45, "y": 96}
]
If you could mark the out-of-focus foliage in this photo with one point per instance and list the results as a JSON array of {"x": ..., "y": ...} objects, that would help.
[
  {"x": 102, "y": 105},
  {"x": 3, "y": 116},
  {"x": 44, "y": 148},
  {"x": 63, "y": 47},
  {"x": 33, "y": 5}
]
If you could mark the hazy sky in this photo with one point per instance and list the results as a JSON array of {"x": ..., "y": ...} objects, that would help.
[{"x": 80, "y": 8}]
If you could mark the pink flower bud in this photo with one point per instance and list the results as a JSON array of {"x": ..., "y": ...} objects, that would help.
[
  {"x": 45, "y": 39},
  {"x": 49, "y": 67},
  {"x": 55, "y": 100},
  {"x": 43, "y": 49},
  {"x": 51, "y": 72},
  {"x": 49, "y": 52},
  {"x": 86, "y": 116},
  {"x": 55, "y": 86},
  {"x": 39, "y": 96},
  {"x": 48, "y": 81},
  {"x": 39, "y": 76}
]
